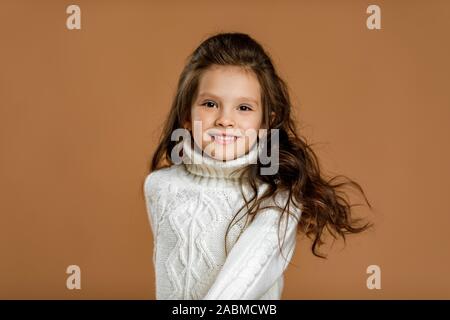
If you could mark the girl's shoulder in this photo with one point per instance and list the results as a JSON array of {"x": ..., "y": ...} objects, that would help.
[
  {"x": 279, "y": 201},
  {"x": 160, "y": 179}
]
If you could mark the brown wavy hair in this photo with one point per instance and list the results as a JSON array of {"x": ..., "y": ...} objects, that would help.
[{"x": 324, "y": 204}]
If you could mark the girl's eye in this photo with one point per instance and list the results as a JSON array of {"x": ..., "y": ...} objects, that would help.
[
  {"x": 208, "y": 103},
  {"x": 248, "y": 108},
  {"x": 212, "y": 104}
]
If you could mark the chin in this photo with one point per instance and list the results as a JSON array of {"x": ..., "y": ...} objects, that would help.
[
  {"x": 228, "y": 156},
  {"x": 223, "y": 152}
]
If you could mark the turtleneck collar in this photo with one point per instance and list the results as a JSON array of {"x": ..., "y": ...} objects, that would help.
[{"x": 206, "y": 166}]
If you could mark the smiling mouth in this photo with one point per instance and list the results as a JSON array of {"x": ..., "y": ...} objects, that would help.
[{"x": 223, "y": 139}]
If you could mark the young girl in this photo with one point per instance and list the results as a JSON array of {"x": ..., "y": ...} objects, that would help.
[{"x": 229, "y": 103}]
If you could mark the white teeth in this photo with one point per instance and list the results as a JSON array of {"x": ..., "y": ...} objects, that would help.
[{"x": 224, "y": 138}]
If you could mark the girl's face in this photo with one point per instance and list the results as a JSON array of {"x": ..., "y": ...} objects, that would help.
[{"x": 228, "y": 103}]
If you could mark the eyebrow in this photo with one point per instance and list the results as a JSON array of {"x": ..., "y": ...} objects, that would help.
[{"x": 204, "y": 94}]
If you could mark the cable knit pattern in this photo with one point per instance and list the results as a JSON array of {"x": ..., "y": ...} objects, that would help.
[{"x": 190, "y": 206}]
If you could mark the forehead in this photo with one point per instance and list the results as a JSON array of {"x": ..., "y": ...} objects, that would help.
[{"x": 229, "y": 82}]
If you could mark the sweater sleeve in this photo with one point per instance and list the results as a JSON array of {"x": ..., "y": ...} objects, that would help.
[
  {"x": 150, "y": 200},
  {"x": 152, "y": 197},
  {"x": 255, "y": 263}
]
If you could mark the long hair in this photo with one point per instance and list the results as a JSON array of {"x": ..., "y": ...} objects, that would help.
[{"x": 323, "y": 202}]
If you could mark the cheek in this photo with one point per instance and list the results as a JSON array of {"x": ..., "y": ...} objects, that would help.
[
  {"x": 251, "y": 123},
  {"x": 199, "y": 122},
  {"x": 205, "y": 117}
]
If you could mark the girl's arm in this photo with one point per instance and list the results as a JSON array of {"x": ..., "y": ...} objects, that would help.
[
  {"x": 255, "y": 263},
  {"x": 151, "y": 196},
  {"x": 150, "y": 200}
]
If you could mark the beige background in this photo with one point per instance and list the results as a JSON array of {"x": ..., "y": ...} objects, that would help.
[{"x": 80, "y": 112}]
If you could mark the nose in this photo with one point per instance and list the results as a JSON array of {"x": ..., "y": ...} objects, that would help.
[{"x": 225, "y": 119}]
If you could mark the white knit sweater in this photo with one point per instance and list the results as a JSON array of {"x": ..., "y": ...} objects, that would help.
[{"x": 190, "y": 206}]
